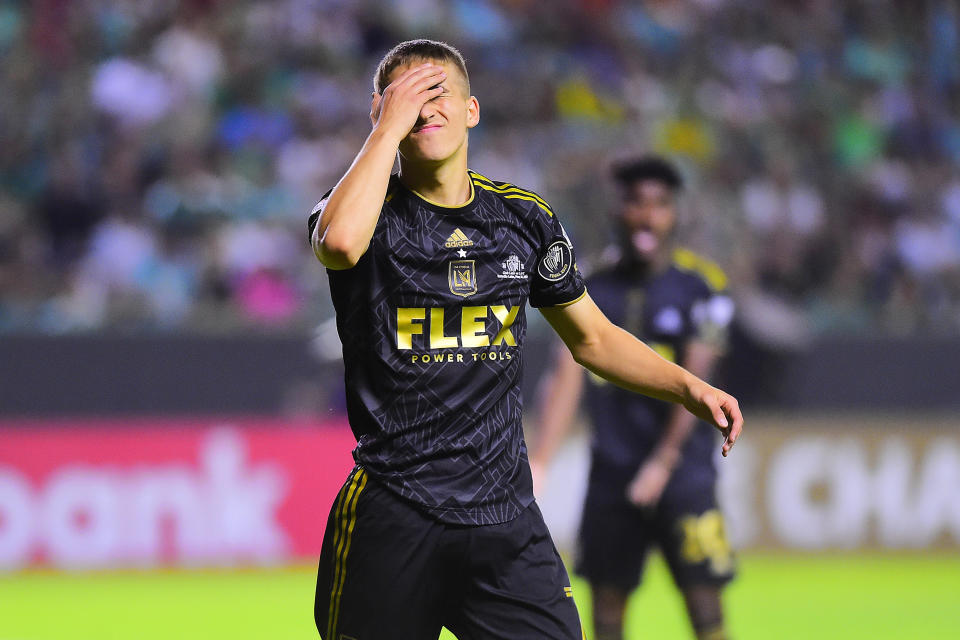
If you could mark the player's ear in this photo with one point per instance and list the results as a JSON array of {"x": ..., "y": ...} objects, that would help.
[{"x": 473, "y": 112}]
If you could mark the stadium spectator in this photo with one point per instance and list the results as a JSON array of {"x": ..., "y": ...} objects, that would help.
[{"x": 822, "y": 141}]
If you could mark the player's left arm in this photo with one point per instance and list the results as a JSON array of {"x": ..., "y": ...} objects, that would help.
[
  {"x": 618, "y": 356},
  {"x": 700, "y": 358}
]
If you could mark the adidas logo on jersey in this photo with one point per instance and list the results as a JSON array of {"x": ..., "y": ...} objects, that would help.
[{"x": 458, "y": 239}]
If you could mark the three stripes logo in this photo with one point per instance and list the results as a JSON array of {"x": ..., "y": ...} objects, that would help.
[
  {"x": 568, "y": 591},
  {"x": 458, "y": 239}
]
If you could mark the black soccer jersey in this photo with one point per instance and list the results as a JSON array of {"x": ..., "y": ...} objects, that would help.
[
  {"x": 667, "y": 310},
  {"x": 432, "y": 323}
]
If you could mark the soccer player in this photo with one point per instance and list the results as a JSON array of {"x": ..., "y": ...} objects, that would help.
[
  {"x": 652, "y": 478},
  {"x": 430, "y": 270}
]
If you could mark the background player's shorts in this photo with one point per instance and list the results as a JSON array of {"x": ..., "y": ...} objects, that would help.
[
  {"x": 387, "y": 570},
  {"x": 615, "y": 536}
]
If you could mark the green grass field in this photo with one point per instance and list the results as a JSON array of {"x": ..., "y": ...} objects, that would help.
[{"x": 776, "y": 597}]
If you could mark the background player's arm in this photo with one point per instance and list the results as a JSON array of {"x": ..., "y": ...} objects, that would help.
[
  {"x": 616, "y": 355},
  {"x": 350, "y": 214},
  {"x": 560, "y": 397},
  {"x": 699, "y": 358}
]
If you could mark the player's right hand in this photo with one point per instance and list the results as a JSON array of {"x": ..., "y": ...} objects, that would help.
[
  {"x": 397, "y": 110},
  {"x": 648, "y": 484}
]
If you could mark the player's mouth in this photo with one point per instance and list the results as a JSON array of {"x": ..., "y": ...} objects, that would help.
[
  {"x": 645, "y": 241},
  {"x": 426, "y": 127}
]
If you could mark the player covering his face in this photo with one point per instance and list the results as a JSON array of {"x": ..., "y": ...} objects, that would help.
[{"x": 430, "y": 271}]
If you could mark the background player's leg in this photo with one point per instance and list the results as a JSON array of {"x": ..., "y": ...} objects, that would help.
[
  {"x": 514, "y": 585},
  {"x": 691, "y": 533},
  {"x": 613, "y": 545},
  {"x": 609, "y": 603},
  {"x": 705, "y": 611},
  {"x": 378, "y": 570}
]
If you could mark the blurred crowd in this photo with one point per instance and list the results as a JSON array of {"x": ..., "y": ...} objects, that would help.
[{"x": 159, "y": 158}]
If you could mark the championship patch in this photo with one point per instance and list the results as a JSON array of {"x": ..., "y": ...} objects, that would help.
[
  {"x": 557, "y": 261},
  {"x": 512, "y": 269},
  {"x": 462, "y": 276}
]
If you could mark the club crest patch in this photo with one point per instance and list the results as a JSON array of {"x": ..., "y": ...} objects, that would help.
[
  {"x": 462, "y": 276},
  {"x": 556, "y": 262}
]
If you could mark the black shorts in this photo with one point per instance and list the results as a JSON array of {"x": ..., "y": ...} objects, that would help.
[
  {"x": 387, "y": 570},
  {"x": 615, "y": 536}
]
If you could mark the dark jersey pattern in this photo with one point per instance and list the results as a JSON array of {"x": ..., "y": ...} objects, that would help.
[
  {"x": 666, "y": 310},
  {"x": 432, "y": 321}
]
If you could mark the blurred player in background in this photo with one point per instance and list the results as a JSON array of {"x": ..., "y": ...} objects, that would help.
[
  {"x": 652, "y": 478},
  {"x": 430, "y": 271}
]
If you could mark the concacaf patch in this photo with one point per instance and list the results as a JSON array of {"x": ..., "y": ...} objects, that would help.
[{"x": 556, "y": 262}]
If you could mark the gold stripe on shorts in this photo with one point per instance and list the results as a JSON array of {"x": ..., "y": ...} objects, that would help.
[
  {"x": 346, "y": 521},
  {"x": 338, "y": 526}
]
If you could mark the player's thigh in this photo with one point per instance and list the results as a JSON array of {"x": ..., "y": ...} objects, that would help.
[
  {"x": 377, "y": 562},
  {"x": 692, "y": 535},
  {"x": 515, "y": 585},
  {"x": 613, "y": 541}
]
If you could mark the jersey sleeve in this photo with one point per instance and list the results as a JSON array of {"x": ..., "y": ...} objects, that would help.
[
  {"x": 711, "y": 316},
  {"x": 556, "y": 280},
  {"x": 315, "y": 216}
]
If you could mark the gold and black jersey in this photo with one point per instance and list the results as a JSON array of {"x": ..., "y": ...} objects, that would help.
[
  {"x": 687, "y": 301},
  {"x": 432, "y": 323}
]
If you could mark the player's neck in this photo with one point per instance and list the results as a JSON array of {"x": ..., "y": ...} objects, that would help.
[
  {"x": 664, "y": 258},
  {"x": 446, "y": 183},
  {"x": 657, "y": 263}
]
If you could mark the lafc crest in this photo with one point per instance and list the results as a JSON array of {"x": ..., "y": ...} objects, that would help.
[{"x": 463, "y": 277}]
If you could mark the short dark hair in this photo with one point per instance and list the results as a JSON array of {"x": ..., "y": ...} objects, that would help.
[
  {"x": 417, "y": 51},
  {"x": 627, "y": 172}
]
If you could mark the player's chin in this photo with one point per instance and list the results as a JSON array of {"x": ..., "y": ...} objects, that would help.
[
  {"x": 643, "y": 257},
  {"x": 432, "y": 160},
  {"x": 427, "y": 150}
]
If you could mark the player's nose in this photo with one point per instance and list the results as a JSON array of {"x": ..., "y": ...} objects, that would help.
[
  {"x": 427, "y": 112},
  {"x": 636, "y": 215}
]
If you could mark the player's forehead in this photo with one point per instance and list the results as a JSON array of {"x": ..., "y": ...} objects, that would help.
[
  {"x": 648, "y": 189},
  {"x": 453, "y": 71}
]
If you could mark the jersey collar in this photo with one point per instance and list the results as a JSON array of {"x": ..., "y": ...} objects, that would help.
[{"x": 442, "y": 208}]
